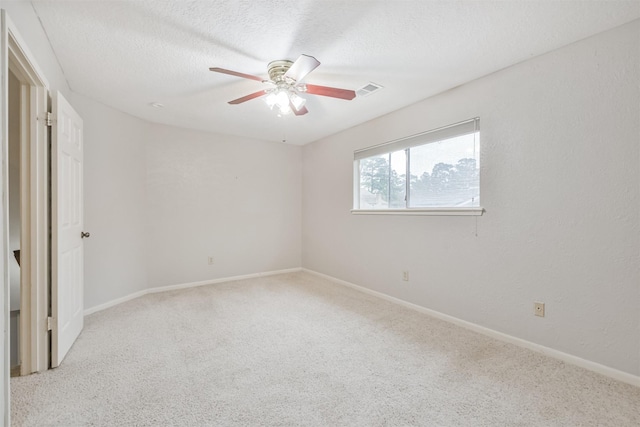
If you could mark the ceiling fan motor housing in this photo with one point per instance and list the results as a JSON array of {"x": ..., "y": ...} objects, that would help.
[{"x": 277, "y": 69}]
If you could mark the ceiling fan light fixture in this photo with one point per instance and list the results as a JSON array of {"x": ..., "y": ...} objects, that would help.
[
  {"x": 270, "y": 100},
  {"x": 297, "y": 101},
  {"x": 282, "y": 99}
]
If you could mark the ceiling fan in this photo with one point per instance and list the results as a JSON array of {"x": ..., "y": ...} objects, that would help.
[{"x": 285, "y": 81}]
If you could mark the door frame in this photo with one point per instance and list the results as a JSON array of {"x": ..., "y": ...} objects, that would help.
[
  {"x": 34, "y": 201},
  {"x": 34, "y": 205}
]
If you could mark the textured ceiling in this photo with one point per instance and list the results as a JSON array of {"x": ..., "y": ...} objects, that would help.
[{"x": 128, "y": 54}]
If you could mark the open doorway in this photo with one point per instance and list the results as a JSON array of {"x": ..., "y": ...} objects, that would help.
[
  {"x": 29, "y": 102},
  {"x": 26, "y": 208}
]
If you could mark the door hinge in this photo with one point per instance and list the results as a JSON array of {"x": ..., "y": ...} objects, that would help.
[
  {"x": 49, "y": 323},
  {"x": 49, "y": 118}
]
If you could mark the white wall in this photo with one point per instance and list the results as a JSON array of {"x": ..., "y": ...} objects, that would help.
[
  {"x": 160, "y": 200},
  {"x": 235, "y": 199},
  {"x": 560, "y": 184},
  {"x": 114, "y": 202}
]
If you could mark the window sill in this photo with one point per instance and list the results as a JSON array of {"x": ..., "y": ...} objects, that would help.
[{"x": 428, "y": 211}]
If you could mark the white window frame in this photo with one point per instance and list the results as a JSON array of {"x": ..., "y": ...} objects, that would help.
[{"x": 439, "y": 134}]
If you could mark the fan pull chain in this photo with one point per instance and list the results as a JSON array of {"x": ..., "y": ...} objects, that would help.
[{"x": 284, "y": 131}]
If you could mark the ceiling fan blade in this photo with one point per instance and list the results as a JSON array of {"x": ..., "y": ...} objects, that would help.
[
  {"x": 248, "y": 97},
  {"x": 301, "y": 112},
  {"x": 333, "y": 92},
  {"x": 303, "y": 66},
  {"x": 235, "y": 73}
]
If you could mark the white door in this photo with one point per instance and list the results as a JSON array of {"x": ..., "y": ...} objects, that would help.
[{"x": 66, "y": 229}]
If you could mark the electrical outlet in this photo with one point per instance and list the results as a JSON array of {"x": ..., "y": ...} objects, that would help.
[
  {"x": 405, "y": 276},
  {"x": 538, "y": 309},
  {"x": 210, "y": 260}
]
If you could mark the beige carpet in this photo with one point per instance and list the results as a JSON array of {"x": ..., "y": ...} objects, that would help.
[{"x": 299, "y": 350}]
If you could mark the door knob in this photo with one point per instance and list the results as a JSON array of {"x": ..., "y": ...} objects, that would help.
[{"x": 84, "y": 234}]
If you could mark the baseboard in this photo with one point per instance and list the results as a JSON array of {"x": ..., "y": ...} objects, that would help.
[
  {"x": 114, "y": 302},
  {"x": 221, "y": 280},
  {"x": 556, "y": 354},
  {"x": 154, "y": 290}
]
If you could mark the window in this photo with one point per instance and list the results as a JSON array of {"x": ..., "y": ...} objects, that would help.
[{"x": 442, "y": 167}]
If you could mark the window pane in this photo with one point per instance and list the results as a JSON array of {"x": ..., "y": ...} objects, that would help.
[
  {"x": 397, "y": 181},
  {"x": 374, "y": 182},
  {"x": 446, "y": 173},
  {"x": 382, "y": 181}
]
